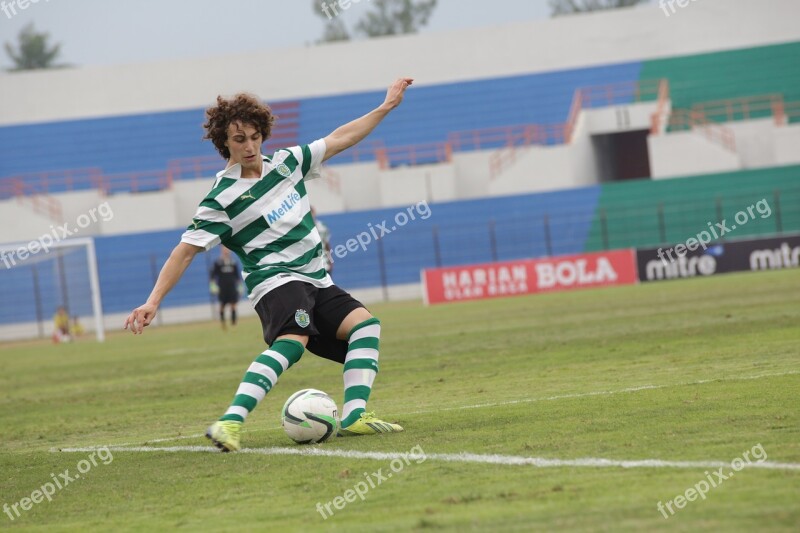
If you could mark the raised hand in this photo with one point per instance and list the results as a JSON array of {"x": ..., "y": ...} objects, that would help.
[{"x": 394, "y": 96}]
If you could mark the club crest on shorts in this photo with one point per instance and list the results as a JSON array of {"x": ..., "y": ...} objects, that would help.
[
  {"x": 283, "y": 170},
  {"x": 302, "y": 319}
]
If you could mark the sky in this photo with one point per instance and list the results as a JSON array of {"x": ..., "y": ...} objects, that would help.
[{"x": 104, "y": 32}]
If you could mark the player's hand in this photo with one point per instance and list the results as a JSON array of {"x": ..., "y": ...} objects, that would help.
[
  {"x": 140, "y": 318},
  {"x": 394, "y": 96},
  {"x": 213, "y": 288}
]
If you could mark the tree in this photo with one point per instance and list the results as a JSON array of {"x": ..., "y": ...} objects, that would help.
[
  {"x": 388, "y": 17},
  {"x": 395, "y": 17},
  {"x": 32, "y": 51},
  {"x": 565, "y": 7},
  {"x": 335, "y": 29}
]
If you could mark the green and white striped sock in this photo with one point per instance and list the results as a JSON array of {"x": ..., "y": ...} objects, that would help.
[
  {"x": 262, "y": 376},
  {"x": 360, "y": 368}
]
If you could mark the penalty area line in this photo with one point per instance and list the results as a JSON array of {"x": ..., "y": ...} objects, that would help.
[{"x": 508, "y": 460}]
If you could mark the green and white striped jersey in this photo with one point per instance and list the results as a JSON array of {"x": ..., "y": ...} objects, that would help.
[{"x": 266, "y": 222}]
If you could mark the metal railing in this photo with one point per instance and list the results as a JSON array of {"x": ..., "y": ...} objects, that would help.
[
  {"x": 686, "y": 119},
  {"x": 414, "y": 154},
  {"x": 25, "y": 194}
]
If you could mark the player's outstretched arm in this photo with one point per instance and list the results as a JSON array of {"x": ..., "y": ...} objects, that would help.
[
  {"x": 180, "y": 258},
  {"x": 354, "y": 132}
]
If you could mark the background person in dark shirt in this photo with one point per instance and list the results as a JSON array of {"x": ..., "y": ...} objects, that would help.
[{"x": 225, "y": 281}]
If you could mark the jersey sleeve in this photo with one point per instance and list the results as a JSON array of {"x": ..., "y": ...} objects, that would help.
[
  {"x": 311, "y": 156},
  {"x": 209, "y": 227}
]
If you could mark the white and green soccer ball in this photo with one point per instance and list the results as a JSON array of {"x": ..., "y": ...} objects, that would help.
[{"x": 309, "y": 416}]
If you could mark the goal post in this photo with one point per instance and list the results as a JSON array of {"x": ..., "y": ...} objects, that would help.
[{"x": 38, "y": 277}]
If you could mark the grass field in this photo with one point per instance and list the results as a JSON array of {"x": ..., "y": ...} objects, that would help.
[{"x": 698, "y": 370}]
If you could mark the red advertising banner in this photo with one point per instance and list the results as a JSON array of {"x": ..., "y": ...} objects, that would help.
[{"x": 529, "y": 276}]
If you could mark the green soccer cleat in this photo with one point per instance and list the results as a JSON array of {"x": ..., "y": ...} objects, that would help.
[
  {"x": 225, "y": 435},
  {"x": 369, "y": 425}
]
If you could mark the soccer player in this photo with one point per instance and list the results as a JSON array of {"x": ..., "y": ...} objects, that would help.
[
  {"x": 224, "y": 281},
  {"x": 259, "y": 209}
]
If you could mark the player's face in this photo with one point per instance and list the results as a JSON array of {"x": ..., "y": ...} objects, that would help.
[{"x": 244, "y": 142}]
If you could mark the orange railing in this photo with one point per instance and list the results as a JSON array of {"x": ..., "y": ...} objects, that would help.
[
  {"x": 414, "y": 154},
  {"x": 619, "y": 93},
  {"x": 623, "y": 92},
  {"x": 500, "y": 161},
  {"x": 735, "y": 109},
  {"x": 708, "y": 116},
  {"x": 366, "y": 150},
  {"x": 659, "y": 116},
  {"x": 486, "y": 138},
  {"x": 42, "y": 204},
  {"x": 751, "y": 107},
  {"x": 791, "y": 113},
  {"x": 572, "y": 118},
  {"x": 195, "y": 167},
  {"x": 147, "y": 181},
  {"x": 54, "y": 181},
  {"x": 532, "y": 134},
  {"x": 686, "y": 119},
  {"x": 584, "y": 97}
]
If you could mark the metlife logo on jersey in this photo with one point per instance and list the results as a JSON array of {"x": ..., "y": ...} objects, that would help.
[{"x": 735, "y": 256}]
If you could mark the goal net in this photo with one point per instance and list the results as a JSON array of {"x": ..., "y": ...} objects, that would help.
[{"x": 37, "y": 279}]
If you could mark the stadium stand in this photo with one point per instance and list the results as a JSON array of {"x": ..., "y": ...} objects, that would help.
[{"x": 127, "y": 145}]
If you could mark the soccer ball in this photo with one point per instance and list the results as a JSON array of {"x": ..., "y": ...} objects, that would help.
[{"x": 309, "y": 416}]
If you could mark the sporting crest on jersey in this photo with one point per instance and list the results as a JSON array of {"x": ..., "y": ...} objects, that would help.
[
  {"x": 302, "y": 318},
  {"x": 283, "y": 170}
]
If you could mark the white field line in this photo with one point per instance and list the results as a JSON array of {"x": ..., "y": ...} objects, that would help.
[
  {"x": 510, "y": 402},
  {"x": 511, "y": 460}
]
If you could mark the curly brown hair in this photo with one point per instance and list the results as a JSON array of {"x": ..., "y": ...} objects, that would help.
[{"x": 244, "y": 108}]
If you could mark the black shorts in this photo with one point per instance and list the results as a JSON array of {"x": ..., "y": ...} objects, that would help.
[
  {"x": 299, "y": 308},
  {"x": 228, "y": 296}
]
